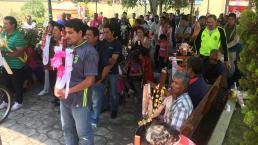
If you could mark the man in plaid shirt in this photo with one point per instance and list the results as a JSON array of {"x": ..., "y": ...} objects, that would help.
[{"x": 179, "y": 105}]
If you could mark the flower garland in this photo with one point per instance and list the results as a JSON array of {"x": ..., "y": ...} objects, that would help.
[
  {"x": 46, "y": 39},
  {"x": 185, "y": 50},
  {"x": 158, "y": 94}
]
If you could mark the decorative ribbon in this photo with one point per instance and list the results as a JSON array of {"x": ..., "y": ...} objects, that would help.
[
  {"x": 46, "y": 50},
  {"x": 4, "y": 43},
  {"x": 5, "y": 65},
  {"x": 63, "y": 72},
  {"x": 68, "y": 69}
]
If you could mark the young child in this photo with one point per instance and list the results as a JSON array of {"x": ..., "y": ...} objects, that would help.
[
  {"x": 148, "y": 74},
  {"x": 135, "y": 74},
  {"x": 163, "y": 51}
]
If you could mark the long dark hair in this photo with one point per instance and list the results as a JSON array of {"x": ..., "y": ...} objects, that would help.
[{"x": 60, "y": 27}]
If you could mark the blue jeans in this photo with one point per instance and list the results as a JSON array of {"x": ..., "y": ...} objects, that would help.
[
  {"x": 97, "y": 95},
  {"x": 113, "y": 78},
  {"x": 76, "y": 125}
]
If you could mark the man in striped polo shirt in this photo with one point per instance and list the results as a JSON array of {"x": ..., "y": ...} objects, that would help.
[{"x": 13, "y": 52}]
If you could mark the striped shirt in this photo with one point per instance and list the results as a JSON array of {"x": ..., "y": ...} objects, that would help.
[
  {"x": 14, "y": 41},
  {"x": 180, "y": 110}
]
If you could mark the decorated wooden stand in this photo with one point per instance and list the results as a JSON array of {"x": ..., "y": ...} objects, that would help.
[{"x": 152, "y": 99}]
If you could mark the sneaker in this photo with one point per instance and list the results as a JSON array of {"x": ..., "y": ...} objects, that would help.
[
  {"x": 43, "y": 92},
  {"x": 94, "y": 125},
  {"x": 3, "y": 105},
  {"x": 16, "y": 106}
]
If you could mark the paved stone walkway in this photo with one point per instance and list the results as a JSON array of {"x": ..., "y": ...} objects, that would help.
[{"x": 38, "y": 123}]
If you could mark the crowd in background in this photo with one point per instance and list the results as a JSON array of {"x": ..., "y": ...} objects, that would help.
[{"x": 123, "y": 54}]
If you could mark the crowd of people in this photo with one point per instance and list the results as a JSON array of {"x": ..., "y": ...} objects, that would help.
[{"x": 123, "y": 54}]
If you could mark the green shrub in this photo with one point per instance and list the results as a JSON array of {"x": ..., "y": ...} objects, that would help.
[
  {"x": 35, "y": 8},
  {"x": 248, "y": 65}
]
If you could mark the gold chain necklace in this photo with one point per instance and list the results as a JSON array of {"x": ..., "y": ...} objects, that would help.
[
  {"x": 76, "y": 57},
  {"x": 79, "y": 45}
]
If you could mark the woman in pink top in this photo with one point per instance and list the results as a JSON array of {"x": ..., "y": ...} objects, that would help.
[
  {"x": 163, "y": 134},
  {"x": 95, "y": 22}
]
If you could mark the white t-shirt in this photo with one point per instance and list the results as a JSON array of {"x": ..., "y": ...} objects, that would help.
[{"x": 29, "y": 26}]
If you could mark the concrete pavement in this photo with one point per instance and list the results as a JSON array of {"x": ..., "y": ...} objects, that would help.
[{"x": 38, "y": 123}]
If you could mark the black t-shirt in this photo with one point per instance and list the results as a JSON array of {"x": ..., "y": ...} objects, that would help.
[
  {"x": 103, "y": 58},
  {"x": 113, "y": 47}
]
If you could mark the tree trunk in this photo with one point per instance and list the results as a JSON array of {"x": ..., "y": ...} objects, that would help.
[
  {"x": 192, "y": 8},
  {"x": 160, "y": 6},
  {"x": 226, "y": 7},
  {"x": 50, "y": 16},
  {"x": 153, "y": 6}
]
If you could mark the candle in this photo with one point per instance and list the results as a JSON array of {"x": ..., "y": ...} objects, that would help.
[{"x": 137, "y": 140}]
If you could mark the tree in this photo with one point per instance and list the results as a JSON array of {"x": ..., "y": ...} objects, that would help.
[
  {"x": 35, "y": 8},
  {"x": 157, "y": 3},
  {"x": 248, "y": 65},
  {"x": 176, "y": 4},
  {"x": 81, "y": 1},
  {"x": 129, "y": 3}
]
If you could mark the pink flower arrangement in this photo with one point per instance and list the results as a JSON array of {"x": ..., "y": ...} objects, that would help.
[{"x": 57, "y": 63}]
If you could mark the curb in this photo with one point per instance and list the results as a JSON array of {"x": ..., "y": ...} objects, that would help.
[{"x": 221, "y": 127}]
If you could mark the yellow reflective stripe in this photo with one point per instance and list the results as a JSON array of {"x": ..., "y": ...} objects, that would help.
[{"x": 84, "y": 99}]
